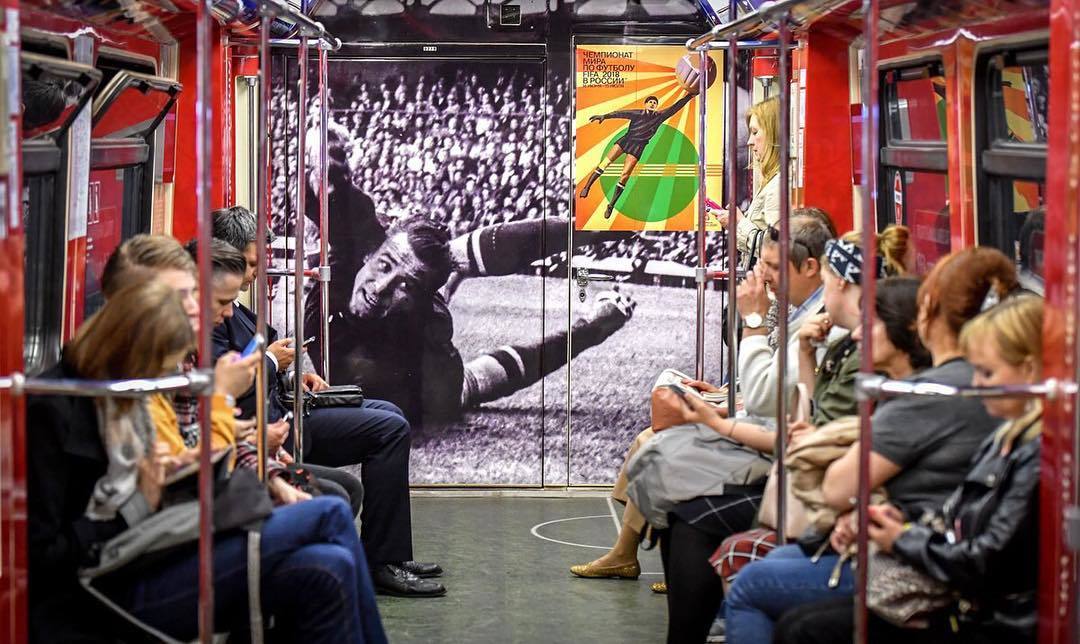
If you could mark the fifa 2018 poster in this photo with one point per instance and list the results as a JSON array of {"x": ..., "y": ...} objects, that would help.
[{"x": 637, "y": 137}]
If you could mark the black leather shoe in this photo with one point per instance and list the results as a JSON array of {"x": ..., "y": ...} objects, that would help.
[
  {"x": 393, "y": 580},
  {"x": 422, "y": 569}
]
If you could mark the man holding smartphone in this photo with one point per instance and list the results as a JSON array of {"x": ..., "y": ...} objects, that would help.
[{"x": 374, "y": 435}]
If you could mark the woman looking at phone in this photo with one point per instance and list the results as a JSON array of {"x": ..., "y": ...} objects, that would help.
[
  {"x": 763, "y": 121},
  {"x": 94, "y": 471}
]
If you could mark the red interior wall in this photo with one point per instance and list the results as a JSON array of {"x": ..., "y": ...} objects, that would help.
[
  {"x": 184, "y": 221},
  {"x": 1057, "y": 573},
  {"x": 827, "y": 178}
]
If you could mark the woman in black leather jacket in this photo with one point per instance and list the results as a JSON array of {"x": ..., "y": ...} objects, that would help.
[{"x": 983, "y": 543}]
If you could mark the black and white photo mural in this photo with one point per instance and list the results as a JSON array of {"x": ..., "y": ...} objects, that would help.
[{"x": 451, "y": 256}]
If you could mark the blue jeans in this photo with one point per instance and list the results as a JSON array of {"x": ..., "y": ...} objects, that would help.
[
  {"x": 785, "y": 578},
  {"x": 315, "y": 581}
]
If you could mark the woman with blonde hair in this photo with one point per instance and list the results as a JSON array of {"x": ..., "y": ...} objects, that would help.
[
  {"x": 763, "y": 121},
  {"x": 920, "y": 448},
  {"x": 982, "y": 563},
  {"x": 95, "y": 471}
]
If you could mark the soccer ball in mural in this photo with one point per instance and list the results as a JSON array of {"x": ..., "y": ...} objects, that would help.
[{"x": 685, "y": 71}]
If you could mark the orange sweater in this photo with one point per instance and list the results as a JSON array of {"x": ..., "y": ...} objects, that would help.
[{"x": 222, "y": 423}]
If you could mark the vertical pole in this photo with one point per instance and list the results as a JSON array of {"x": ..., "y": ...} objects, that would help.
[
  {"x": 253, "y": 140},
  {"x": 203, "y": 122},
  {"x": 324, "y": 214},
  {"x": 298, "y": 252},
  {"x": 703, "y": 146},
  {"x": 731, "y": 163},
  {"x": 262, "y": 220},
  {"x": 869, "y": 250},
  {"x": 782, "y": 295}
]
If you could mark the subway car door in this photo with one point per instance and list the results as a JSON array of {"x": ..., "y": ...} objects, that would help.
[
  {"x": 633, "y": 249},
  {"x": 453, "y": 136}
]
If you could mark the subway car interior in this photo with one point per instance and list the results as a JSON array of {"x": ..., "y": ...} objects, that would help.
[{"x": 539, "y": 321}]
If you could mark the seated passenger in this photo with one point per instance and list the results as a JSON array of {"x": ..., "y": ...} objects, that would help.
[
  {"x": 758, "y": 370},
  {"x": 921, "y": 448},
  {"x": 374, "y": 434},
  {"x": 898, "y": 352},
  {"x": 93, "y": 473},
  {"x": 987, "y": 554},
  {"x": 698, "y": 526},
  {"x": 163, "y": 258}
]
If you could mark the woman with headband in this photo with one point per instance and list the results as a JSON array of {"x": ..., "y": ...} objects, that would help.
[{"x": 921, "y": 446}]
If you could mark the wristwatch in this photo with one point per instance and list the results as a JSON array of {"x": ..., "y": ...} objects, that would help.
[{"x": 753, "y": 321}]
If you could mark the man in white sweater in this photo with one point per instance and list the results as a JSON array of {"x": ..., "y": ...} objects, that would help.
[{"x": 759, "y": 371}]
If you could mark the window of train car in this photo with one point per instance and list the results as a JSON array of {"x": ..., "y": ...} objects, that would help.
[
  {"x": 126, "y": 113},
  {"x": 914, "y": 159},
  {"x": 54, "y": 92},
  {"x": 1013, "y": 90}
]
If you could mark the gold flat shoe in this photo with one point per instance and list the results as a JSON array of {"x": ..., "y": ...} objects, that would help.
[
  {"x": 624, "y": 571},
  {"x": 659, "y": 587}
]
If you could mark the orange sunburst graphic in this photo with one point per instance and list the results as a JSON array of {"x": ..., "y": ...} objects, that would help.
[{"x": 657, "y": 187}]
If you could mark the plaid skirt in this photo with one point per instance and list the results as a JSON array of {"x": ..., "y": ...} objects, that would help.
[{"x": 740, "y": 549}]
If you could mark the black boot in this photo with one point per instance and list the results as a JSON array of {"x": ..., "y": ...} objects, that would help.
[
  {"x": 614, "y": 199},
  {"x": 592, "y": 179}
]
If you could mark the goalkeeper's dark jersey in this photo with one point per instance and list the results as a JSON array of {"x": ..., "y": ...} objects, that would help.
[{"x": 643, "y": 124}]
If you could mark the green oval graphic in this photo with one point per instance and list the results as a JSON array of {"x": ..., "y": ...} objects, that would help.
[{"x": 655, "y": 198}]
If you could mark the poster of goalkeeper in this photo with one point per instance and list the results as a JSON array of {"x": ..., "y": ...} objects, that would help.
[{"x": 644, "y": 156}]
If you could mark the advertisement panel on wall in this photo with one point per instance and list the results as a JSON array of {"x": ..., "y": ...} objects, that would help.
[{"x": 637, "y": 137}]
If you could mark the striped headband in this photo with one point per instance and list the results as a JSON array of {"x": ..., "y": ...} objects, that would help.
[{"x": 846, "y": 260}]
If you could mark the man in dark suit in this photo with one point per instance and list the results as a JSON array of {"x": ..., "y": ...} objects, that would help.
[{"x": 375, "y": 434}]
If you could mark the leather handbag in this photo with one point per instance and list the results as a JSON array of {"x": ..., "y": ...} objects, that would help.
[
  {"x": 335, "y": 396},
  {"x": 795, "y": 519},
  {"x": 338, "y": 396},
  {"x": 900, "y": 594}
]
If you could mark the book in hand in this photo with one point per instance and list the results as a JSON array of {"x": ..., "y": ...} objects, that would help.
[{"x": 673, "y": 379}]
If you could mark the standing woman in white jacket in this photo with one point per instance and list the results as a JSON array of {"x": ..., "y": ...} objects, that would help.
[{"x": 763, "y": 121}]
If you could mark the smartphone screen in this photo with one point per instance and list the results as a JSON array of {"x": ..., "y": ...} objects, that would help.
[{"x": 255, "y": 343}]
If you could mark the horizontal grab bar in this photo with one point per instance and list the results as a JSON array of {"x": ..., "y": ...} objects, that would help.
[
  {"x": 313, "y": 28},
  {"x": 330, "y": 43},
  {"x": 278, "y": 272},
  {"x": 196, "y": 381},
  {"x": 875, "y": 387},
  {"x": 757, "y": 20}
]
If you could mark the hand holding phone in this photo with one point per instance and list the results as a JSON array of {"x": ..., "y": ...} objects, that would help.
[
  {"x": 308, "y": 341},
  {"x": 256, "y": 343}
]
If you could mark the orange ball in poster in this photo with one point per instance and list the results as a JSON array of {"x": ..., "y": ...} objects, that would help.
[{"x": 687, "y": 65}]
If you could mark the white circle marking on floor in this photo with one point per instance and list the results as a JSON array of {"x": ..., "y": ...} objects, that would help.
[{"x": 536, "y": 533}]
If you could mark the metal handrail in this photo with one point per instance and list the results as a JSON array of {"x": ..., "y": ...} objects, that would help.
[
  {"x": 262, "y": 220},
  {"x": 703, "y": 89},
  {"x": 324, "y": 212},
  {"x": 196, "y": 381},
  {"x": 298, "y": 262},
  {"x": 875, "y": 387},
  {"x": 307, "y": 25},
  {"x": 783, "y": 294},
  {"x": 759, "y": 21},
  {"x": 204, "y": 149},
  {"x": 731, "y": 170},
  {"x": 326, "y": 43}
]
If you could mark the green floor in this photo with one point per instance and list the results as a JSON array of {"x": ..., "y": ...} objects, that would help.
[{"x": 507, "y": 585}]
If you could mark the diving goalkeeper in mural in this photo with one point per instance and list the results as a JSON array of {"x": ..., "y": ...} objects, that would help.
[
  {"x": 389, "y": 312},
  {"x": 643, "y": 126}
]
